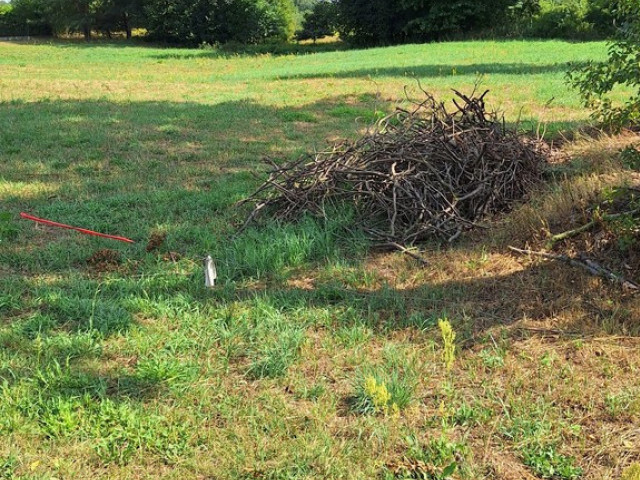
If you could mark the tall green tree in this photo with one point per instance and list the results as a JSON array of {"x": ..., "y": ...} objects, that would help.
[
  {"x": 597, "y": 81},
  {"x": 395, "y": 21},
  {"x": 32, "y": 17},
  {"x": 118, "y": 15},
  {"x": 72, "y": 15},
  {"x": 371, "y": 22},
  {"x": 321, "y": 21},
  {"x": 220, "y": 21}
]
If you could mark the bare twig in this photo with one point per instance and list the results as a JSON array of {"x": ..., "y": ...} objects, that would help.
[
  {"x": 406, "y": 251},
  {"x": 584, "y": 263}
]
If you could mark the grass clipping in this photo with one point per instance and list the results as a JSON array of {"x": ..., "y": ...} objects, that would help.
[{"x": 415, "y": 175}]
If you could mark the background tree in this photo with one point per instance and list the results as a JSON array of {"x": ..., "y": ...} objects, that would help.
[
  {"x": 597, "y": 81},
  {"x": 72, "y": 16},
  {"x": 118, "y": 15},
  {"x": 30, "y": 17},
  {"x": 7, "y": 24},
  {"x": 321, "y": 21},
  {"x": 397, "y": 21},
  {"x": 372, "y": 22},
  {"x": 220, "y": 21}
]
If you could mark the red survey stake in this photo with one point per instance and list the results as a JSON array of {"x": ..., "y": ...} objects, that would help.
[{"x": 77, "y": 229}]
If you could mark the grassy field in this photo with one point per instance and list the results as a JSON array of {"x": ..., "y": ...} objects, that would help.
[{"x": 313, "y": 357}]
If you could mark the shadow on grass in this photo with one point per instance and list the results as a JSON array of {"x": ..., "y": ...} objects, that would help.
[
  {"x": 177, "y": 52},
  {"x": 273, "y": 49},
  {"x": 563, "y": 300},
  {"x": 129, "y": 169},
  {"x": 56, "y": 332},
  {"x": 442, "y": 70},
  {"x": 55, "y": 141}
]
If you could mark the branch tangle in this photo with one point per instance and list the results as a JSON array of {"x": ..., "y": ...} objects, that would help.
[{"x": 417, "y": 174}]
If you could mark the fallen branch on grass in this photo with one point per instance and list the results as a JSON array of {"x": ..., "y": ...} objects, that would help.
[
  {"x": 406, "y": 251},
  {"x": 584, "y": 263},
  {"x": 597, "y": 219}
]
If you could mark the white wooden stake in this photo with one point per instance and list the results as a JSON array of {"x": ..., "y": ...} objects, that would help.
[{"x": 210, "y": 273}]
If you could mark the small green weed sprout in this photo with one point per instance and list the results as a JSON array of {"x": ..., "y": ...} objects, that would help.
[
  {"x": 546, "y": 462},
  {"x": 314, "y": 392},
  {"x": 620, "y": 404},
  {"x": 273, "y": 358},
  {"x": 632, "y": 472},
  {"x": 466, "y": 414},
  {"x": 492, "y": 359},
  {"x": 8, "y": 467},
  {"x": 439, "y": 459},
  {"x": 448, "y": 339},
  {"x": 630, "y": 157}
]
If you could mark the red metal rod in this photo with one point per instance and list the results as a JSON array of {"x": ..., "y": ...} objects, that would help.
[{"x": 77, "y": 229}]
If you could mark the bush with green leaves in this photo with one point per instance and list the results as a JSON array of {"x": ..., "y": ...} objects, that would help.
[
  {"x": 212, "y": 21},
  {"x": 596, "y": 82},
  {"x": 371, "y": 22}
]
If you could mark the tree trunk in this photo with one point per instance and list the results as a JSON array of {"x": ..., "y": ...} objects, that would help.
[
  {"x": 127, "y": 26},
  {"x": 87, "y": 32}
]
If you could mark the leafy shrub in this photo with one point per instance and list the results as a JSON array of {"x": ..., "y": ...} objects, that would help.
[
  {"x": 596, "y": 81},
  {"x": 209, "y": 22},
  {"x": 630, "y": 157}
]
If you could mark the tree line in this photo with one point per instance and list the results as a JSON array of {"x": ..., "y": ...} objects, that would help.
[
  {"x": 362, "y": 22},
  {"x": 186, "y": 22},
  {"x": 376, "y": 22}
]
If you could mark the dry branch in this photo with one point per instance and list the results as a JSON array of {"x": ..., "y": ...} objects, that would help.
[
  {"x": 416, "y": 175},
  {"x": 587, "y": 226},
  {"x": 586, "y": 264}
]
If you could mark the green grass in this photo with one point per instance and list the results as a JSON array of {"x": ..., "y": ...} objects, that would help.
[{"x": 133, "y": 369}]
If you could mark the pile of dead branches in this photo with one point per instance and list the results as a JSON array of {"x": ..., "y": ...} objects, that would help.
[{"x": 417, "y": 174}]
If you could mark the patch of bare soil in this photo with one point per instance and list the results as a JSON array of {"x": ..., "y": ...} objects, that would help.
[{"x": 105, "y": 260}]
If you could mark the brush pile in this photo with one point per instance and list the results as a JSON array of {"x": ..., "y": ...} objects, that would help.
[{"x": 417, "y": 174}]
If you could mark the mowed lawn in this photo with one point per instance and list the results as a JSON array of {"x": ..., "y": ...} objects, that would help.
[{"x": 313, "y": 357}]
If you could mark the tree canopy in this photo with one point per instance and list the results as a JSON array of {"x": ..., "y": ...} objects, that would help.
[
  {"x": 179, "y": 21},
  {"x": 361, "y": 22},
  {"x": 396, "y": 21}
]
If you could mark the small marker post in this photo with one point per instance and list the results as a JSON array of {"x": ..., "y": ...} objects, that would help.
[{"x": 210, "y": 273}]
